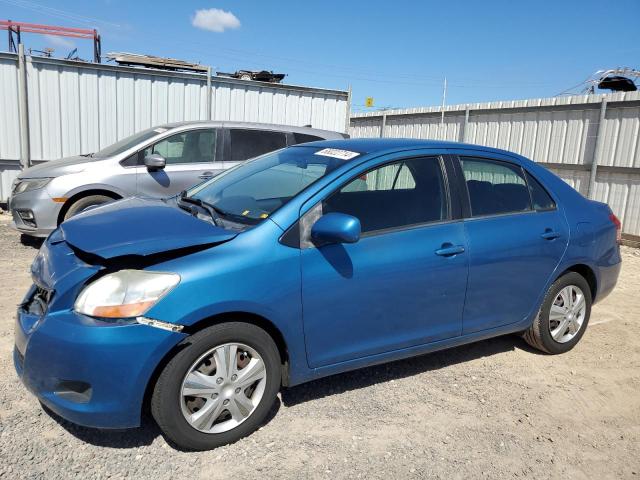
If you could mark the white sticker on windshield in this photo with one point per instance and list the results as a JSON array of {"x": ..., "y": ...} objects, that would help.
[
  {"x": 159, "y": 130},
  {"x": 337, "y": 153}
]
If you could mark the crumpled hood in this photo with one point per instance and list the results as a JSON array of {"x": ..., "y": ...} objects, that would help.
[
  {"x": 55, "y": 168},
  {"x": 137, "y": 226}
]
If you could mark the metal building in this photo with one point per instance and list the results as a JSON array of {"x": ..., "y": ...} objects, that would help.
[
  {"x": 591, "y": 141},
  {"x": 76, "y": 107}
]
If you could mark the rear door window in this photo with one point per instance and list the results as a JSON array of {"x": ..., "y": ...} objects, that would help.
[
  {"x": 247, "y": 144},
  {"x": 495, "y": 187}
]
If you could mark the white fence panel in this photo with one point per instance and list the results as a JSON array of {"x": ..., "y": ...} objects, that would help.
[
  {"x": 559, "y": 132},
  {"x": 77, "y": 107},
  {"x": 9, "y": 121}
]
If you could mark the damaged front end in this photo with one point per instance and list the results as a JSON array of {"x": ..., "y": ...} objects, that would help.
[
  {"x": 91, "y": 370},
  {"x": 84, "y": 344},
  {"x": 132, "y": 234},
  {"x": 62, "y": 269}
]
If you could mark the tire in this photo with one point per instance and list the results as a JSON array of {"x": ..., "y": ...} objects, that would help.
[
  {"x": 546, "y": 325},
  {"x": 84, "y": 203},
  {"x": 170, "y": 407}
]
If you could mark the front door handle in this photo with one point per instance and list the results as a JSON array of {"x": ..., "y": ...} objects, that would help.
[
  {"x": 448, "y": 250},
  {"x": 205, "y": 175},
  {"x": 550, "y": 234}
]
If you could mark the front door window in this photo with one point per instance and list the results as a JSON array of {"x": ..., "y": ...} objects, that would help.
[{"x": 195, "y": 146}]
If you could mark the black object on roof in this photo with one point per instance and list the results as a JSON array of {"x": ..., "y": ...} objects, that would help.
[
  {"x": 257, "y": 76},
  {"x": 617, "y": 83}
]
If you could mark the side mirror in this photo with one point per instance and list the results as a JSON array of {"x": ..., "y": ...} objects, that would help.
[
  {"x": 335, "y": 228},
  {"x": 155, "y": 161}
]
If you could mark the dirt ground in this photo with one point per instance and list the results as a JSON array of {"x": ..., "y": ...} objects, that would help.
[{"x": 495, "y": 409}]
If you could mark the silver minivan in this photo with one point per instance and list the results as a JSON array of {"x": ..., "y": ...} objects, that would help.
[{"x": 158, "y": 162}]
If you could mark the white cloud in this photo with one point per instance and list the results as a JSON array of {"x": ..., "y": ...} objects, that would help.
[
  {"x": 214, "y": 20},
  {"x": 60, "y": 41}
]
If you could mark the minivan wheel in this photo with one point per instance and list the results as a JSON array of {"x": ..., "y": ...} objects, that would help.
[
  {"x": 219, "y": 388},
  {"x": 563, "y": 316},
  {"x": 86, "y": 203}
]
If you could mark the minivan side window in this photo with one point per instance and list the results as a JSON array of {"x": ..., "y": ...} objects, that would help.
[
  {"x": 304, "y": 138},
  {"x": 195, "y": 146},
  {"x": 247, "y": 144},
  {"x": 541, "y": 199},
  {"x": 400, "y": 194},
  {"x": 494, "y": 187}
]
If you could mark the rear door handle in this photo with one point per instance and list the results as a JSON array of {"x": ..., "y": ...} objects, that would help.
[
  {"x": 205, "y": 175},
  {"x": 550, "y": 234},
  {"x": 449, "y": 250}
]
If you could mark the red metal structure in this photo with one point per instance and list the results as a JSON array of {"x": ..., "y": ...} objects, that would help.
[{"x": 16, "y": 28}]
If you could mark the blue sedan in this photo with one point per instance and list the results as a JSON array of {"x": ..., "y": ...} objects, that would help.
[{"x": 306, "y": 262}]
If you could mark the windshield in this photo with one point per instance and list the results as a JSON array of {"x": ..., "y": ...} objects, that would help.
[
  {"x": 129, "y": 142},
  {"x": 254, "y": 190}
]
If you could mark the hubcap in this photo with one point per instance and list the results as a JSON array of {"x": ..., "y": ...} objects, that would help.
[
  {"x": 567, "y": 314},
  {"x": 223, "y": 388}
]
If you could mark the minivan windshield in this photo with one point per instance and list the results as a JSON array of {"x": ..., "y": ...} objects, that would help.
[
  {"x": 128, "y": 142},
  {"x": 255, "y": 189}
]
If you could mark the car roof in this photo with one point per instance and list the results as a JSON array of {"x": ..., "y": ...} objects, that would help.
[
  {"x": 262, "y": 126},
  {"x": 390, "y": 145}
]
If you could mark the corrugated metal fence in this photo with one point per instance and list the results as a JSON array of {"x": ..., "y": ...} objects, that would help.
[
  {"x": 563, "y": 133},
  {"x": 76, "y": 107}
]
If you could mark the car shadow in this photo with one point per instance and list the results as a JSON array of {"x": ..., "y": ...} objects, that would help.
[
  {"x": 112, "y": 438},
  {"x": 317, "y": 389},
  {"x": 29, "y": 241},
  {"x": 132, "y": 437},
  {"x": 366, "y": 377}
]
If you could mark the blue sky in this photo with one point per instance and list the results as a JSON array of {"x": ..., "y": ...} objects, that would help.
[{"x": 396, "y": 52}]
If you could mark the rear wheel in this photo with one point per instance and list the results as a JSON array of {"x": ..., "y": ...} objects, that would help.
[
  {"x": 563, "y": 316},
  {"x": 85, "y": 203},
  {"x": 219, "y": 388}
]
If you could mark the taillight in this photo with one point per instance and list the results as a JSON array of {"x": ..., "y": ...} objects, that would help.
[{"x": 616, "y": 221}]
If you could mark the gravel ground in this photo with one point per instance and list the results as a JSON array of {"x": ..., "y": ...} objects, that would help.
[{"x": 492, "y": 409}]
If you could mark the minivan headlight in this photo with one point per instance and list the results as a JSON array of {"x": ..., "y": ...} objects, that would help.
[
  {"x": 124, "y": 294},
  {"x": 27, "y": 185}
]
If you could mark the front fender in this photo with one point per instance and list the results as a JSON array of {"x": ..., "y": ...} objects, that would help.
[
  {"x": 252, "y": 274},
  {"x": 97, "y": 186}
]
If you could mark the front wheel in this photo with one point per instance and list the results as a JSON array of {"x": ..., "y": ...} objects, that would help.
[
  {"x": 86, "y": 203},
  {"x": 219, "y": 388},
  {"x": 563, "y": 316}
]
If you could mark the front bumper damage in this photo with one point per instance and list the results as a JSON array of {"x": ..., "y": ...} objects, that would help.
[{"x": 90, "y": 372}]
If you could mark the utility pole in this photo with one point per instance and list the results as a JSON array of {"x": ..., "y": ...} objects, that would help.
[
  {"x": 444, "y": 99},
  {"x": 23, "y": 109},
  {"x": 208, "y": 96}
]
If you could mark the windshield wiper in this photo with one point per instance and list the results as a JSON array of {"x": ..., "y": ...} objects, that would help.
[
  {"x": 233, "y": 217},
  {"x": 90, "y": 155},
  {"x": 200, "y": 202},
  {"x": 212, "y": 210}
]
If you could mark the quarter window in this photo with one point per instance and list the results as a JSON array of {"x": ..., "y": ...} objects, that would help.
[
  {"x": 400, "y": 194},
  {"x": 541, "y": 199},
  {"x": 495, "y": 187},
  {"x": 247, "y": 144},
  {"x": 195, "y": 146}
]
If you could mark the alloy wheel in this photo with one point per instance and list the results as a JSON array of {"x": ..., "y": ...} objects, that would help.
[
  {"x": 223, "y": 387},
  {"x": 567, "y": 314}
]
